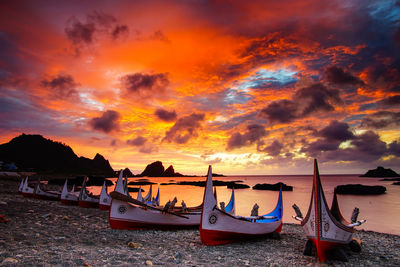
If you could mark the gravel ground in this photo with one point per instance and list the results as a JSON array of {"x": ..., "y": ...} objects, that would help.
[{"x": 47, "y": 233}]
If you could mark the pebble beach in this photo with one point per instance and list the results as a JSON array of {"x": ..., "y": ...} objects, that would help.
[{"x": 47, "y": 233}]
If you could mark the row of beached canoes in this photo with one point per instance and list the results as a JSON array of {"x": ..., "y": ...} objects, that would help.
[{"x": 325, "y": 228}]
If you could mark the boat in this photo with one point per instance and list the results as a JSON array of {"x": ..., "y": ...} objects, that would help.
[
  {"x": 26, "y": 190},
  {"x": 105, "y": 199},
  {"x": 325, "y": 228},
  {"x": 127, "y": 213},
  {"x": 219, "y": 227},
  {"x": 86, "y": 199},
  {"x": 40, "y": 193},
  {"x": 71, "y": 197},
  {"x": 21, "y": 185}
]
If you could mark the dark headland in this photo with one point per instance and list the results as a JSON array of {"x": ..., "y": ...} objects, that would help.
[{"x": 380, "y": 172}]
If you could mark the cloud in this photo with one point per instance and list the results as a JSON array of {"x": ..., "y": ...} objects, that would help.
[
  {"x": 336, "y": 131},
  {"x": 307, "y": 100},
  {"x": 253, "y": 134},
  {"x": 61, "y": 86},
  {"x": 394, "y": 148},
  {"x": 274, "y": 149},
  {"x": 145, "y": 85},
  {"x": 159, "y": 35},
  {"x": 281, "y": 111},
  {"x": 138, "y": 141},
  {"x": 316, "y": 98},
  {"x": 381, "y": 119},
  {"x": 97, "y": 24},
  {"x": 119, "y": 31},
  {"x": 366, "y": 147},
  {"x": 165, "y": 115},
  {"x": 185, "y": 128},
  {"x": 390, "y": 101},
  {"x": 107, "y": 122},
  {"x": 338, "y": 76}
]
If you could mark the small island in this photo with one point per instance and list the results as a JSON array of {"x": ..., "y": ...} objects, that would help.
[
  {"x": 380, "y": 172},
  {"x": 273, "y": 187},
  {"x": 359, "y": 189}
]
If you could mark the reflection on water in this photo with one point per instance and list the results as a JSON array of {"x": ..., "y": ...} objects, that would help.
[{"x": 381, "y": 212}]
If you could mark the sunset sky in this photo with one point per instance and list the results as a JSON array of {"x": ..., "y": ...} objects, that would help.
[{"x": 251, "y": 87}]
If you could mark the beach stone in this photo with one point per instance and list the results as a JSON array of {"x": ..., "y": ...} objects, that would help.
[
  {"x": 2, "y": 203},
  {"x": 149, "y": 263},
  {"x": 134, "y": 245},
  {"x": 66, "y": 218},
  {"x": 9, "y": 261}
]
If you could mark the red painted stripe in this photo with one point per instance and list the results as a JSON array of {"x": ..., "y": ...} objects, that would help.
[
  {"x": 214, "y": 237},
  {"x": 27, "y": 194},
  {"x": 135, "y": 225},
  {"x": 323, "y": 247},
  {"x": 86, "y": 204},
  {"x": 104, "y": 207},
  {"x": 42, "y": 197},
  {"x": 69, "y": 202}
]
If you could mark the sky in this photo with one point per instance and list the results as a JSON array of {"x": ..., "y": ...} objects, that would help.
[{"x": 250, "y": 87}]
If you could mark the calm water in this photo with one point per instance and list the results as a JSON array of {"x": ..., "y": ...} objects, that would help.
[{"x": 381, "y": 212}]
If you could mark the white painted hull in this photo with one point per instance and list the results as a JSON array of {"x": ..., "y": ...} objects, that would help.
[
  {"x": 124, "y": 215},
  {"x": 218, "y": 227},
  {"x": 320, "y": 226}
]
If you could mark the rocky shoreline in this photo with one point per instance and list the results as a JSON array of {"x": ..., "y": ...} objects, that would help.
[{"x": 46, "y": 233}]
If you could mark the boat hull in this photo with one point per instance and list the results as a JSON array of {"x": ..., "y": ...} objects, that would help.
[
  {"x": 69, "y": 202},
  {"x": 104, "y": 207},
  {"x": 88, "y": 204},
  {"x": 130, "y": 217}
]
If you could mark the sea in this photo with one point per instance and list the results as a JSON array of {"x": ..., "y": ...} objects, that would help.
[{"x": 381, "y": 212}]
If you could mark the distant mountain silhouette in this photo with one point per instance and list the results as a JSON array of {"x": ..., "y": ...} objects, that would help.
[
  {"x": 36, "y": 153},
  {"x": 380, "y": 172}
]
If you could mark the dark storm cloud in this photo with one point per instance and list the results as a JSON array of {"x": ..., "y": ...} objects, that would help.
[
  {"x": 96, "y": 23},
  {"x": 61, "y": 86},
  {"x": 138, "y": 141},
  {"x": 185, "y": 128},
  {"x": 253, "y": 134},
  {"x": 274, "y": 149},
  {"x": 338, "y": 76},
  {"x": 381, "y": 119},
  {"x": 307, "y": 100},
  {"x": 394, "y": 148},
  {"x": 317, "y": 98},
  {"x": 107, "y": 122},
  {"x": 336, "y": 131},
  {"x": 390, "y": 101},
  {"x": 165, "y": 115},
  {"x": 367, "y": 147},
  {"x": 281, "y": 111},
  {"x": 142, "y": 84}
]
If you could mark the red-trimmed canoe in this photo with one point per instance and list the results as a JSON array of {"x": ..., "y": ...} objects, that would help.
[
  {"x": 105, "y": 199},
  {"x": 86, "y": 199},
  {"x": 21, "y": 185},
  {"x": 218, "y": 227},
  {"x": 26, "y": 190},
  {"x": 71, "y": 197},
  {"x": 44, "y": 194},
  {"x": 325, "y": 227}
]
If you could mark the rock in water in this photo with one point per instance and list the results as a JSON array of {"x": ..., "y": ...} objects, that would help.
[
  {"x": 155, "y": 169},
  {"x": 380, "y": 172},
  {"x": 358, "y": 189}
]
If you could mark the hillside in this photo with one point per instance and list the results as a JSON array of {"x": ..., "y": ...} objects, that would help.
[{"x": 36, "y": 153}]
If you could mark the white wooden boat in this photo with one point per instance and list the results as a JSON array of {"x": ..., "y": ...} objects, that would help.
[
  {"x": 26, "y": 190},
  {"x": 105, "y": 199},
  {"x": 218, "y": 227},
  {"x": 149, "y": 195},
  {"x": 326, "y": 228},
  {"x": 86, "y": 199},
  {"x": 21, "y": 185},
  {"x": 71, "y": 197},
  {"x": 44, "y": 194},
  {"x": 129, "y": 214}
]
